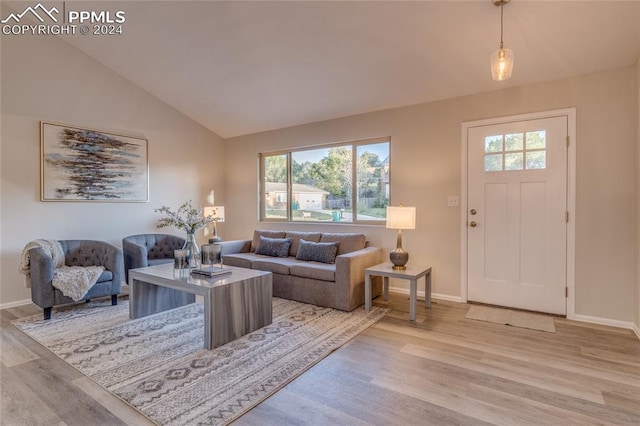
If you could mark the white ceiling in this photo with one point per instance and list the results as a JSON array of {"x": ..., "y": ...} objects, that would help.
[{"x": 245, "y": 67}]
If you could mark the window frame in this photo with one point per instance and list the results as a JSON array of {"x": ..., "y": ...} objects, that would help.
[{"x": 289, "y": 184}]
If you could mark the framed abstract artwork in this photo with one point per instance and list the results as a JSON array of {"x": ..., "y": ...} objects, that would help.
[{"x": 89, "y": 165}]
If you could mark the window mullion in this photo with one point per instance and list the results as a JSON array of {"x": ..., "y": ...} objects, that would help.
[
  {"x": 289, "y": 188},
  {"x": 354, "y": 183},
  {"x": 262, "y": 185}
]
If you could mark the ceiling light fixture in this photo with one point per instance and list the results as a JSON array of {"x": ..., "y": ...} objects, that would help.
[{"x": 501, "y": 59}]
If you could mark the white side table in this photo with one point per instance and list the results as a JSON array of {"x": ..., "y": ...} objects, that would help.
[{"x": 413, "y": 273}]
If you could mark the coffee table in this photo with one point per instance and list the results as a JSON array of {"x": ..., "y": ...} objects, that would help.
[{"x": 234, "y": 304}]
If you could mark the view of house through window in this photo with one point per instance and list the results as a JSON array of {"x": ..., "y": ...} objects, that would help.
[{"x": 340, "y": 183}]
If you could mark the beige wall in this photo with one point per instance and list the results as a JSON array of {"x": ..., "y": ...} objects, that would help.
[
  {"x": 636, "y": 317},
  {"x": 425, "y": 169},
  {"x": 44, "y": 78}
]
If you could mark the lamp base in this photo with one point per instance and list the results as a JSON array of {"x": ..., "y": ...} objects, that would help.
[{"x": 399, "y": 258}]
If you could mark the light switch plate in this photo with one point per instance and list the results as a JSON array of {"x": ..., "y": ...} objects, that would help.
[{"x": 453, "y": 201}]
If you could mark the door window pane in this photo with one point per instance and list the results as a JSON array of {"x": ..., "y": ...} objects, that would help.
[
  {"x": 513, "y": 161},
  {"x": 537, "y": 140},
  {"x": 493, "y": 163},
  {"x": 493, "y": 143},
  {"x": 513, "y": 142},
  {"x": 536, "y": 160}
]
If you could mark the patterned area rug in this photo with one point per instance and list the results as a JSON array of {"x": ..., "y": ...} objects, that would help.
[
  {"x": 158, "y": 364},
  {"x": 514, "y": 318}
]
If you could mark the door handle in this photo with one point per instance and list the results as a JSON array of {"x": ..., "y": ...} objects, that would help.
[{"x": 473, "y": 224}]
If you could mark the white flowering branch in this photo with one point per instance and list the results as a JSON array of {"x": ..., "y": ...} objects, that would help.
[{"x": 186, "y": 218}]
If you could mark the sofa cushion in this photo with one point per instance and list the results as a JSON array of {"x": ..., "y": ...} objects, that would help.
[
  {"x": 318, "y": 252},
  {"x": 278, "y": 247},
  {"x": 270, "y": 234},
  {"x": 348, "y": 242},
  {"x": 277, "y": 265},
  {"x": 241, "y": 260},
  {"x": 295, "y": 239},
  {"x": 314, "y": 270}
]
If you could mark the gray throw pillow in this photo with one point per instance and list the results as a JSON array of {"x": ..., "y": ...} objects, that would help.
[
  {"x": 278, "y": 247},
  {"x": 318, "y": 252}
]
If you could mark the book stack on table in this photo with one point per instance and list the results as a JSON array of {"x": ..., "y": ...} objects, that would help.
[{"x": 207, "y": 272}]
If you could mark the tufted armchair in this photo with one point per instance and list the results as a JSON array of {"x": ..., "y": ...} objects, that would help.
[
  {"x": 77, "y": 253},
  {"x": 148, "y": 250}
]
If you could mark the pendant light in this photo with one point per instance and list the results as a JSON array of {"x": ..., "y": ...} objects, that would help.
[{"x": 501, "y": 59}]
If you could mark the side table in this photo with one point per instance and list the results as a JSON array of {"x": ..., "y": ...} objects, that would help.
[{"x": 413, "y": 273}]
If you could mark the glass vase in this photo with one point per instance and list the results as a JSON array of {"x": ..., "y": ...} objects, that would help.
[{"x": 193, "y": 258}]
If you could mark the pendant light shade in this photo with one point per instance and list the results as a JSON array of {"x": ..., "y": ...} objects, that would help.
[
  {"x": 501, "y": 59},
  {"x": 501, "y": 63}
]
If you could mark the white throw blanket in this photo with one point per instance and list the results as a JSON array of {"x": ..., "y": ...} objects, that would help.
[
  {"x": 52, "y": 248},
  {"x": 76, "y": 281},
  {"x": 72, "y": 281}
]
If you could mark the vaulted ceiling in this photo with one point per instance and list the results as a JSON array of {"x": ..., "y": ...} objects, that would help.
[{"x": 245, "y": 67}]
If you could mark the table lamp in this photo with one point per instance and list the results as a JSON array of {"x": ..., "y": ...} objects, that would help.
[
  {"x": 217, "y": 212},
  {"x": 400, "y": 217}
]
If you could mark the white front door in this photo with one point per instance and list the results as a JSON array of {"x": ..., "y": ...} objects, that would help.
[{"x": 516, "y": 214}]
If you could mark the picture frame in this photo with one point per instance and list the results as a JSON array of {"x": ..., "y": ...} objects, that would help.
[{"x": 78, "y": 164}]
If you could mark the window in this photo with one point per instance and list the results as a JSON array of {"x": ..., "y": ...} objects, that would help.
[
  {"x": 333, "y": 183},
  {"x": 515, "y": 151}
]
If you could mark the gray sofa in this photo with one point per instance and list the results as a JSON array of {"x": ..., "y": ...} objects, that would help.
[
  {"x": 338, "y": 285},
  {"x": 77, "y": 253}
]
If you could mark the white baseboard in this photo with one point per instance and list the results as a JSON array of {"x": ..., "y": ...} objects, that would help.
[
  {"x": 14, "y": 304},
  {"x": 636, "y": 329},
  {"x": 603, "y": 321},
  {"x": 447, "y": 297}
]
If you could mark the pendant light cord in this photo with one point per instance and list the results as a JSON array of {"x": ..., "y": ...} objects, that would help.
[{"x": 501, "y": 22}]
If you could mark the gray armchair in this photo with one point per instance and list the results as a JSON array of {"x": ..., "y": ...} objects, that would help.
[
  {"x": 77, "y": 253},
  {"x": 149, "y": 249}
]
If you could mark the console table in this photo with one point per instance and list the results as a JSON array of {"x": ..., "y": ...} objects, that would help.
[{"x": 413, "y": 273}]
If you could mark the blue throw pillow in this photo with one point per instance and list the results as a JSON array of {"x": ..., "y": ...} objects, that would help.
[
  {"x": 278, "y": 247},
  {"x": 318, "y": 252}
]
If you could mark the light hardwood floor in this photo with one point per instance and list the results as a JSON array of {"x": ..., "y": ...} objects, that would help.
[{"x": 444, "y": 369}]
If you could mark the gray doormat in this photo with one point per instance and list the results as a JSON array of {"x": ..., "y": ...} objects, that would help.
[{"x": 513, "y": 318}]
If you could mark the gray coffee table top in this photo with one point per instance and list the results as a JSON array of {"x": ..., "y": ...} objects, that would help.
[{"x": 173, "y": 279}]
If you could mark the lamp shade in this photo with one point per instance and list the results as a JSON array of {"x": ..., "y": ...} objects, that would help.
[
  {"x": 216, "y": 211},
  {"x": 401, "y": 217}
]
